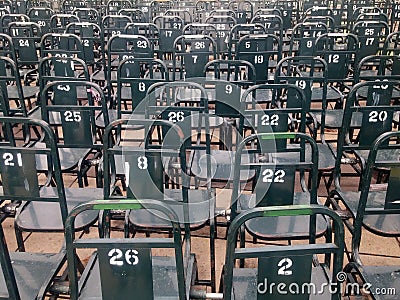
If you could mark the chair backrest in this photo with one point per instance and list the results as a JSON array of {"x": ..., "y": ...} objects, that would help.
[
  {"x": 125, "y": 265},
  {"x": 339, "y": 51},
  {"x": 77, "y": 115},
  {"x": 53, "y": 69},
  {"x": 41, "y": 16},
  {"x": 58, "y": 22},
  {"x": 61, "y": 45},
  {"x": 170, "y": 27},
  {"x": 112, "y": 25},
  {"x": 143, "y": 159},
  {"x": 7, "y": 47},
  {"x": 148, "y": 30},
  {"x": 136, "y": 15},
  {"x": 184, "y": 14},
  {"x": 275, "y": 176},
  {"x": 5, "y": 20},
  {"x": 7, "y": 4},
  {"x": 392, "y": 44},
  {"x": 387, "y": 68},
  {"x": 224, "y": 24},
  {"x": 372, "y": 103},
  {"x": 183, "y": 103},
  {"x": 244, "y": 10},
  {"x": 159, "y": 8},
  {"x": 371, "y": 35},
  {"x": 290, "y": 12},
  {"x": 134, "y": 77},
  {"x": 38, "y": 3},
  {"x": 261, "y": 51},
  {"x": 68, "y": 6},
  {"x": 226, "y": 80},
  {"x": 25, "y": 35},
  {"x": 285, "y": 265},
  {"x": 114, "y": 6},
  {"x": 240, "y": 30},
  {"x": 273, "y": 23},
  {"x": 327, "y": 20},
  {"x": 86, "y": 14},
  {"x": 90, "y": 35},
  {"x": 9, "y": 75},
  {"x": 203, "y": 9},
  {"x": 192, "y": 52},
  {"x": 274, "y": 108},
  {"x": 19, "y": 165},
  {"x": 304, "y": 71},
  {"x": 304, "y": 36}
]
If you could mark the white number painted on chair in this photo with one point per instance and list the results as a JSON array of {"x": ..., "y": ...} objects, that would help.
[
  {"x": 228, "y": 89},
  {"x": 199, "y": 45},
  {"x": 142, "y": 87},
  {"x": 72, "y": 116},
  {"x": 116, "y": 257},
  {"x": 258, "y": 59},
  {"x": 142, "y": 162},
  {"x": 285, "y": 264},
  {"x": 176, "y": 116},
  {"x": 23, "y": 43},
  {"x": 63, "y": 87},
  {"x": 301, "y": 84},
  {"x": 269, "y": 120},
  {"x": 270, "y": 176},
  {"x": 9, "y": 157},
  {"x": 375, "y": 116},
  {"x": 333, "y": 58},
  {"x": 141, "y": 44}
]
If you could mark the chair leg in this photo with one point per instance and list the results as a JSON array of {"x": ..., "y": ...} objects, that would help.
[
  {"x": 19, "y": 238},
  {"x": 80, "y": 179},
  {"x": 242, "y": 241},
  {"x": 212, "y": 257}
]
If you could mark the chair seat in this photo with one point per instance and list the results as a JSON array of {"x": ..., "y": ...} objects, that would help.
[
  {"x": 383, "y": 277},
  {"x": 378, "y": 223},
  {"x": 28, "y": 91},
  {"x": 54, "y": 116},
  {"x": 100, "y": 76},
  {"x": 165, "y": 285},
  {"x": 222, "y": 163},
  {"x": 331, "y": 94},
  {"x": 69, "y": 157},
  {"x": 385, "y": 155},
  {"x": 245, "y": 284},
  {"x": 46, "y": 216},
  {"x": 113, "y": 115},
  {"x": 283, "y": 227},
  {"x": 326, "y": 158},
  {"x": 199, "y": 210},
  {"x": 32, "y": 272},
  {"x": 334, "y": 119}
]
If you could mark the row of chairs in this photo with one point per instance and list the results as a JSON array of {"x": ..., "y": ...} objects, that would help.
[
  {"x": 106, "y": 269},
  {"x": 242, "y": 11},
  {"x": 243, "y": 104}
]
